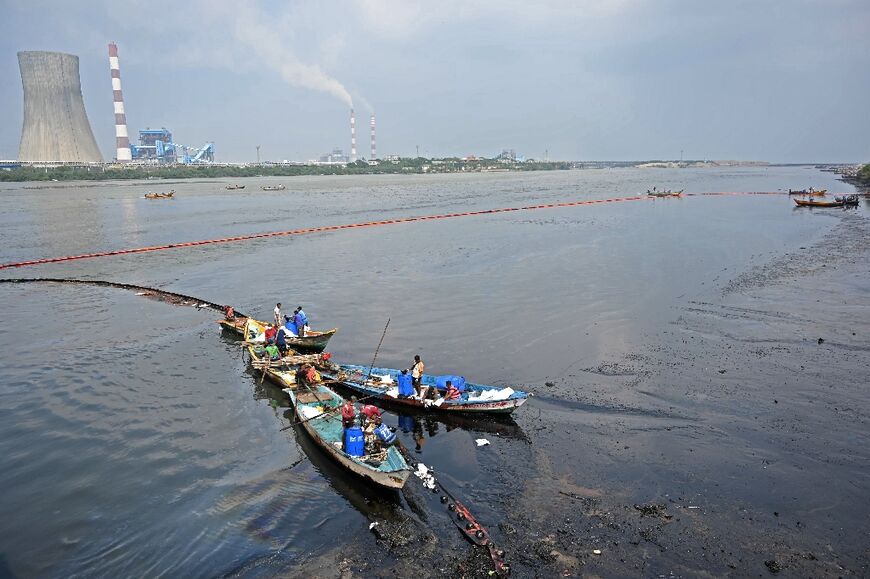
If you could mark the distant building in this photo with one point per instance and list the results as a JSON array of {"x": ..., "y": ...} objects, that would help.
[
  {"x": 56, "y": 126},
  {"x": 336, "y": 156}
]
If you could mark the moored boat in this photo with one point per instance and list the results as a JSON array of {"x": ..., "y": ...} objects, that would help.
[
  {"x": 234, "y": 187},
  {"x": 273, "y": 187},
  {"x": 317, "y": 411},
  {"x": 312, "y": 341},
  {"x": 810, "y": 191},
  {"x": 665, "y": 193},
  {"x": 168, "y": 195},
  {"x": 811, "y": 203},
  {"x": 381, "y": 384}
]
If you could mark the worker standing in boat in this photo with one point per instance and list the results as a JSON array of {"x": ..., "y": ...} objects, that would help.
[
  {"x": 277, "y": 313},
  {"x": 417, "y": 373},
  {"x": 281, "y": 339},
  {"x": 290, "y": 325},
  {"x": 301, "y": 322}
]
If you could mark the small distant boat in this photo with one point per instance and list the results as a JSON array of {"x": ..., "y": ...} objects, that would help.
[
  {"x": 811, "y": 203},
  {"x": 381, "y": 385},
  {"x": 665, "y": 193},
  {"x": 273, "y": 187},
  {"x": 847, "y": 199},
  {"x": 809, "y": 191},
  {"x": 234, "y": 187},
  {"x": 169, "y": 195}
]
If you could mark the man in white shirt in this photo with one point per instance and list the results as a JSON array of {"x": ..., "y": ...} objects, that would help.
[{"x": 278, "y": 317}]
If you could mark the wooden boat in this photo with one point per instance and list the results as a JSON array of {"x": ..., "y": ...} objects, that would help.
[
  {"x": 811, "y": 203},
  {"x": 273, "y": 187},
  {"x": 313, "y": 341},
  {"x": 234, "y": 187},
  {"x": 316, "y": 411},
  {"x": 847, "y": 199},
  {"x": 810, "y": 191},
  {"x": 665, "y": 193},
  {"x": 316, "y": 408},
  {"x": 477, "y": 398},
  {"x": 169, "y": 195}
]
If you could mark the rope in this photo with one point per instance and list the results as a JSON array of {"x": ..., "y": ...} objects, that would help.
[{"x": 356, "y": 225}]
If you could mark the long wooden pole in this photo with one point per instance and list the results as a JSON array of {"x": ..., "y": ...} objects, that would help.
[{"x": 378, "y": 349}]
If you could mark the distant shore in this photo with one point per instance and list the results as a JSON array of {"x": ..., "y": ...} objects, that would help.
[
  {"x": 13, "y": 172},
  {"x": 397, "y": 167}
]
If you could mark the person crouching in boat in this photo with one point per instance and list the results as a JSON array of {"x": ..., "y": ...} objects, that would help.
[
  {"x": 281, "y": 339},
  {"x": 229, "y": 313},
  {"x": 452, "y": 392},
  {"x": 307, "y": 375},
  {"x": 270, "y": 334},
  {"x": 348, "y": 412},
  {"x": 301, "y": 322},
  {"x": 273, "y": 352},
  {"x": 290, "y": 326}
]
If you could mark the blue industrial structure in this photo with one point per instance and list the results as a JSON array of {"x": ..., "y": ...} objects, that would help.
[{"x": 157, "y": 146}]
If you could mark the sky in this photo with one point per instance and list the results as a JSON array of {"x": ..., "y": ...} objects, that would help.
[{"x": 767, "y": 80}]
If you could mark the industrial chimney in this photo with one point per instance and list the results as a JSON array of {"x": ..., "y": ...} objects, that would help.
[
  {"x": 352, "y": 137},
  {"x": 56, "y": 127},
  {"x": 122, "y": 139},
  {"x": 374, "y": 147}
]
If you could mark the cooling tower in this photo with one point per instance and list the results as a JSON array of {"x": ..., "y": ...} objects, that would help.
[{"x": 56, "y": 127}]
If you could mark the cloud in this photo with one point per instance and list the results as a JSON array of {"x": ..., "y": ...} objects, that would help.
[{"x": 402, "y": 19}]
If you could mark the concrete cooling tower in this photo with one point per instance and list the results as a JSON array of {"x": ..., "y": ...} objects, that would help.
[{"x": 56, "y": 127}]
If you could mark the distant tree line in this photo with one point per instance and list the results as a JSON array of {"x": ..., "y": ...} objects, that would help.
[{"x": 403, "y": 166}]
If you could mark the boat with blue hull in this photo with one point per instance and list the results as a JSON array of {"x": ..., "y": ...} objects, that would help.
[{"x": 381, "y": 384}]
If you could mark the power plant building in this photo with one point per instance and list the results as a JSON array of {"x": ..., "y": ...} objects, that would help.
[{"x": 56, "y": 127}]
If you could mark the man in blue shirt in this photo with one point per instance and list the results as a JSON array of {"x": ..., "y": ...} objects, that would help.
[{"x": 301, "y": 321}]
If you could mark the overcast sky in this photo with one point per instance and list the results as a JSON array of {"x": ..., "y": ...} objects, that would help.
[{"x": 776, "y": 80}]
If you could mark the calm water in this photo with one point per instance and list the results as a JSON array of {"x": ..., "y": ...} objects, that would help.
[{"x": 133, "y": 441}]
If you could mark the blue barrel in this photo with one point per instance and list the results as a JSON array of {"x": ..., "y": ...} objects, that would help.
[
  {"x": 386, "y": 435},
  {"x": 406, "y": 385},
  {"x": 354, "y": 441}
]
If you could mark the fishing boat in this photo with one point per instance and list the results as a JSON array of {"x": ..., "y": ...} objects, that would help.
[
  {"x": 283, "y": 370},
  {"x": 234, "y": 187},
  {"x": 273, "y": 187},
  {"x": 312, "y": 341},
  {"x": 811, "y": 203},
  {"x": 810, "y": 191},
  {"x": 665, "y": 193},
  {"x": 848, "y": 199},
  {"x": 380, "y": 383},
  {"x": 317, "y": 410},
  {"x": 151, "y": 195}
]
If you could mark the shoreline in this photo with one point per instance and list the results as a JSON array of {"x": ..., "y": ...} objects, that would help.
[{"x": 712, "y": 459}]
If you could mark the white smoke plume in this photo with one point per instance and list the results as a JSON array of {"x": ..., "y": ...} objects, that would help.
[{"x": 253, "y": 29}]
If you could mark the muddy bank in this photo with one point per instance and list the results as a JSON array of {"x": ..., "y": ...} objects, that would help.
[{"x": 735, "y": 444}]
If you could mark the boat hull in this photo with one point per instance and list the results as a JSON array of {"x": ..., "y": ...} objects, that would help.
[
  {"x": 506, "y": 406},
  {"x": 808, "y": 203},
  {"x": 314, "y": 342}
]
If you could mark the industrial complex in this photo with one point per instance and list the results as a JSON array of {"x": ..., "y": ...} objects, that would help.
[{"x": 56, "y": 129}]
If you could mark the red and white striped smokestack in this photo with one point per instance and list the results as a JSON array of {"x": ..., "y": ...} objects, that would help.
[
  {"x": 374, "y": 147},
  {"x": 352, "y": 137},
  {"x": 122, "y": 139}
]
